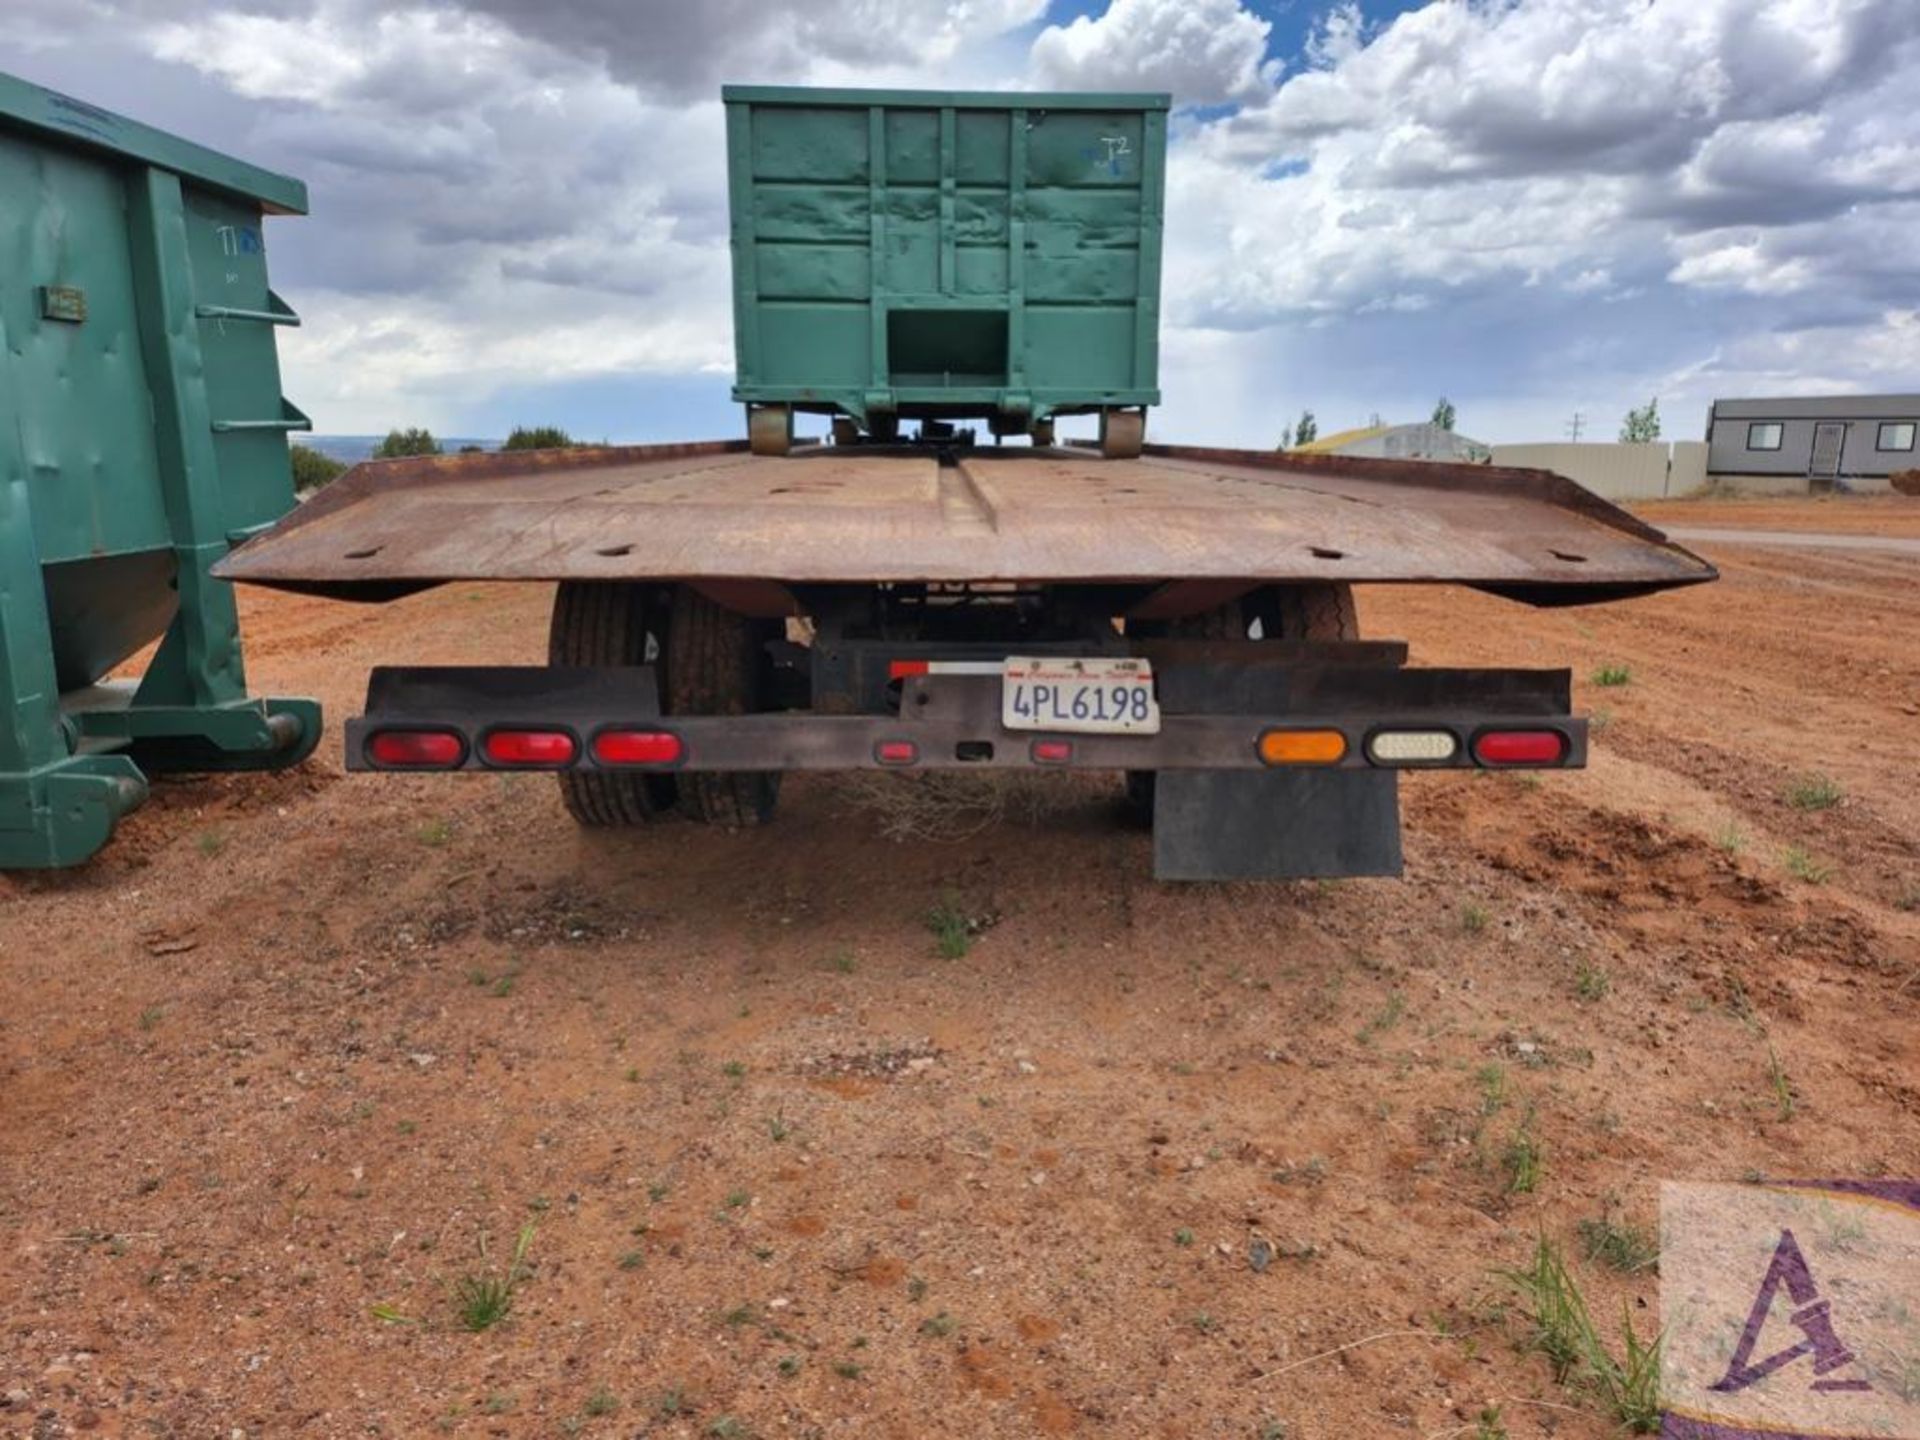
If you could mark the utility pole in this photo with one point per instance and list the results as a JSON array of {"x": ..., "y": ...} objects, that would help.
[{"x": 1575, "y": 426}]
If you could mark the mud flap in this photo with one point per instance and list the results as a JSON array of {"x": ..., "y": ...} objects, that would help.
[
  {"x": 1275, "y": 824},
  {"x": 1271, "y": 824}
]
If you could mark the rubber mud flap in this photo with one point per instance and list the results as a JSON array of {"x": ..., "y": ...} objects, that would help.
[{"x": 1275, "y": 824}]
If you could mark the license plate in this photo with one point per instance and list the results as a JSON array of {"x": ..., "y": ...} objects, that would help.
[{"x": 1098, "y": 697}]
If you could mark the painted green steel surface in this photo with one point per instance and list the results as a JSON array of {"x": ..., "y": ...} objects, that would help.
[
  {"x": 946, "y": 254},
  {"x": 142, "y": 433},
  {"x": 47, "y": 115}
]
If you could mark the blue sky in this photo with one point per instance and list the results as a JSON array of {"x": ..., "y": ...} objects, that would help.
[{"x": 1535, "y": 207}]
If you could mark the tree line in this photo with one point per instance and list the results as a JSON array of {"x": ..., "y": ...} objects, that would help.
[{"x": 314, "y": 468}]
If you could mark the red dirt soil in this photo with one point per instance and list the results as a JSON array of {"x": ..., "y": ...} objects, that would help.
[{"x": 300, "y": 1052}]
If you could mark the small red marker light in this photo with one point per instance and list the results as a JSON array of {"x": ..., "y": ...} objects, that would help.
[
  {"x": 901, "y": 669},
  {"x": 416, "y": 749},
  {"x": 1051, "y": 752},
  {"x": 896, "y": 752},
  {"x": 529, "y": 747},
  {"x": 1520, "y": 747},
  {"x": 637, "y": 747}
]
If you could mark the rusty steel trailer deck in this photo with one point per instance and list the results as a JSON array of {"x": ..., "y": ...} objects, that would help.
[
  {"x": 1186, "y": 523},
  {"x": 1186, "y": 617}
]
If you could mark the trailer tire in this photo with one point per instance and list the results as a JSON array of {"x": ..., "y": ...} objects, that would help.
[
  {"x": 1319, "y": 611},
  {"x": 607, "y": 623},
  {"x": 716, "y": 665},
  {"x": 1042, "y": 432}
]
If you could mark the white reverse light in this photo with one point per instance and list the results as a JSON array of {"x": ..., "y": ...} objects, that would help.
[{"x": 1412, "y": 747}]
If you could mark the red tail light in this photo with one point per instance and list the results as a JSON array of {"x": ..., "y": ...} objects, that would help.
[
  {"x": 529, "y": 747},
  {"x": 416, "y": 749},
  {"x": 638, "y": 747},
  {"x": 896, "y": 752},
  {"x": 1051, "y": 752},
  {"x": 1520, "y": 747}
]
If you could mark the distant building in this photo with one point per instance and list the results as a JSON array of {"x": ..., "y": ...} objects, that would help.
[
  {"x": 1816, "y": 442},
  {"x": 1398, "y": 442}
]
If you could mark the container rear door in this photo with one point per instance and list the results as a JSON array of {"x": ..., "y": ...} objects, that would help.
[{"x": 946, "y": 255}]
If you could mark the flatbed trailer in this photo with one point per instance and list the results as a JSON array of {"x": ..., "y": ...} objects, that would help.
[{"x": 1185, "y": 617}]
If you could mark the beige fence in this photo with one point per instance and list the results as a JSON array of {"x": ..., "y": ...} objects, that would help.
[{"x": 1617, "y": 471}]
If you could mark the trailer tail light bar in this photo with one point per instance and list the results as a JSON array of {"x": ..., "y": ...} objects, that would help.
[
  {"x": 638, "y": 747},
  {"x": 416, "y": 749},
  {"x": 1336, "y": 717}
]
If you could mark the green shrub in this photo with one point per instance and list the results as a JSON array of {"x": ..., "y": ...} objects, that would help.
[
  {"x": 412, "y": 441},
  {"x": 311, "y": 469},
  {"x": 537, "y": 437}
]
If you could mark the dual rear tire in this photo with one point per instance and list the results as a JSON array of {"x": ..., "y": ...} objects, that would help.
[{"x": 710, "y": 660}]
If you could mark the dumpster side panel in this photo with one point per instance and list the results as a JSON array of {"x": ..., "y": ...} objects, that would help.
[
  {"x": 952, "y": 255},
  {"x": 73, "y": 357}
]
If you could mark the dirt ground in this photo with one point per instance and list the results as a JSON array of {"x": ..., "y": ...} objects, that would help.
[{"x": 300, "y": 1056}]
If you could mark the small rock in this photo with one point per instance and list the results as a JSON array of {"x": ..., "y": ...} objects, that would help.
[
  {"x": 422, "y": 1058},
  {"x": 1259, "y": 1255},
  {"x": 1027, "y": 1067},
  {"x": 16, "y": 1398}
]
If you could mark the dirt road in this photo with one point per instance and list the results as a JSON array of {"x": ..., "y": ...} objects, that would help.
[{"x": 812, "y": 1133}]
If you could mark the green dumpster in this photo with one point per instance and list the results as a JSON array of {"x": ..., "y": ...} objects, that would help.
[
  {"x": 903, "y": 254},
  {"x": 142, "y": 435}
]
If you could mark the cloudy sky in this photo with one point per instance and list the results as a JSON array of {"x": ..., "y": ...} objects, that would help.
[{"x": 1536, "y": 207}]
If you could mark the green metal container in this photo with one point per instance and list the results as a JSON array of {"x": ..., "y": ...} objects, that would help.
[
  {"x": 142, "y": 434},
  {"x": 903, "y": 254}
]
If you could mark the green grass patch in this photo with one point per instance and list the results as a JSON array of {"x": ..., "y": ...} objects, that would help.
[
  {"x": 1561, "y": 1328},
  {"x": 1629, "y": 1249},
  {"x": 482, "y": 1301},
  {"x": 1803, "y": 865},
  {"x": 1815, "y": 792}
]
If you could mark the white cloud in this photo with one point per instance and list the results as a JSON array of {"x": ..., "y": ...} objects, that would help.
[
  {"x": 687, "y": 48},
  {"x": 1205, "y": 52},
  {"x": 1580, "y": 149}
]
